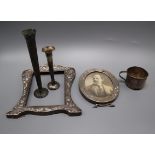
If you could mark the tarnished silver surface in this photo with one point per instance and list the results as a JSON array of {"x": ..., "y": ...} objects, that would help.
[
  {"x": 48, "y": 50},
  {"x": 69, "y": 106},
  {"x": 29, "y": 35},
  {"x": 135, "y": 78},
  {"x": 99, "y": 87}
]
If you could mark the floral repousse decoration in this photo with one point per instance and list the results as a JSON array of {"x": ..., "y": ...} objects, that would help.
[{"x": 69, "y": 107}]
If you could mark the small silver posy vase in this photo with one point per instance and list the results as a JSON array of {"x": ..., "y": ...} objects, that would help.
[{"x": 135, "y": 78}]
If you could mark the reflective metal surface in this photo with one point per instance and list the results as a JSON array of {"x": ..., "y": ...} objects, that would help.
[
  {"x": 53, "y": 85},
  {"x": 136, "y": 77}
]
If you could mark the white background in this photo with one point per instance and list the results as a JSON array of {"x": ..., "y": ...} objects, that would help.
[{"x": 77, "y": 10}]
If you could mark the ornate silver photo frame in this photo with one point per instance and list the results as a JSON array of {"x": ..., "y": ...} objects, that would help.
[
  {"x": 69, "y": 107},
  {"x": 99, "y": 86}
]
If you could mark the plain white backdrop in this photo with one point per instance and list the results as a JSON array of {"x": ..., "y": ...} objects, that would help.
[{"x": 81, "y": 10}]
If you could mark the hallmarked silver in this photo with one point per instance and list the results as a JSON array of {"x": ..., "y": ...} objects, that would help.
[{"x": 69, "y": 107}]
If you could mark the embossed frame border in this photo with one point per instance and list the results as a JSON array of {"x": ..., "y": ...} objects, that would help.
[{"x": 69, "y": 107}]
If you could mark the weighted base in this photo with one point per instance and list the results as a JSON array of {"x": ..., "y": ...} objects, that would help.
[
  {"x": 53, "y": 86},
  {"x": 41, "y": 93}
]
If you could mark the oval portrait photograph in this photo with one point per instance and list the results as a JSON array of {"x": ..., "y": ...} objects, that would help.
[{"x": 98, "y": 86}]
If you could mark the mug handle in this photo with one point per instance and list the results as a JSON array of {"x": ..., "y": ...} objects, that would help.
[{"x": 121, "y": 73}]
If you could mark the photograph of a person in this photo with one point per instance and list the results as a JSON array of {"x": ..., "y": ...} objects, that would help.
[{"x": 98, "y": 85}]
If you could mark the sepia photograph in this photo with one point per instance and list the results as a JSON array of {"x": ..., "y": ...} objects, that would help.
[{"x": 98, "y": 84}]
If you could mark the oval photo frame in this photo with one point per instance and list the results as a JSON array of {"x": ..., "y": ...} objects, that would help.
[{"x": 99, "y": 86}]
